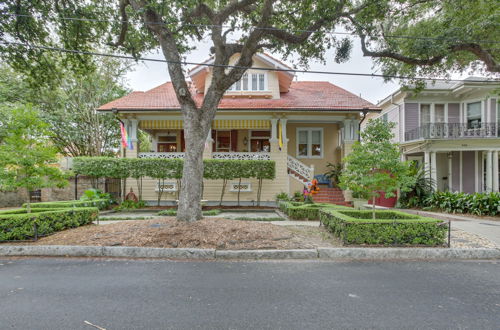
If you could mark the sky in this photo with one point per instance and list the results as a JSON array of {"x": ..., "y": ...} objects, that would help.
[{"x": 146, "y": 75}]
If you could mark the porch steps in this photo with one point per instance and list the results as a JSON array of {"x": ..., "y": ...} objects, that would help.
[{"x": 330, "y": 195}]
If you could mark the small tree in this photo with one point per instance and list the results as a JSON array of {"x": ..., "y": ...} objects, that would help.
[
  {"x": 27, "y": 159},
  {"x": 374, "y": 164}
]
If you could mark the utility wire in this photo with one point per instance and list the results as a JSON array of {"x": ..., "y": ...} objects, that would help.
[
  {"x": 263, "y": 28},
  {"x": 373, "y": 75}
]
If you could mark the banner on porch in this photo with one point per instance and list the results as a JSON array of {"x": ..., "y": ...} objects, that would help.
[{"x": 126, "y": 140}]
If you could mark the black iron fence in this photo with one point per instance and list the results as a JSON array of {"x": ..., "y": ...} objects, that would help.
[{"x": 454, "y": 131}]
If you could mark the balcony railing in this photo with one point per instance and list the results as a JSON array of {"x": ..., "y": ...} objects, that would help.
[
  {"x": 242, "y": 155},
  {"x": 453, "y": 131},
  {"x": 165, "y": 155}
]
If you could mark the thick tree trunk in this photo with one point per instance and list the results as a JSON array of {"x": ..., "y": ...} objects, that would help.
[{"x": 189, "y": 208}]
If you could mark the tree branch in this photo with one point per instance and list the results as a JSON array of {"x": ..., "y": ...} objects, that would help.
[{"x": 124, "y": 27}]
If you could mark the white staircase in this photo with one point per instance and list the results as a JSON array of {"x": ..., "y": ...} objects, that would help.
[{"x": 299, "y": 171}]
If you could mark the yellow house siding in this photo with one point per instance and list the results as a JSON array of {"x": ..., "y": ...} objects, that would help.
[{"x": 330, "y": 141}]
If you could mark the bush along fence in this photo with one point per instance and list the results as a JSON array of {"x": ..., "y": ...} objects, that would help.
[
  {"x": 19, "y": 225},
  {"x": 163, "y": 169},
  {"x": 306, "y": 211},
  {"x": 477, "y": 203},
  {"x": 388, "y": 228}
]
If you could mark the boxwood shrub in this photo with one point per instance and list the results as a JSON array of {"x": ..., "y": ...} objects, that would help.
[
  {"x": 389, "y": 228},
  {"x": 101, "y": 204},
  {"x": 299, "y": 210},
  {"x": 19, "y": 225}
]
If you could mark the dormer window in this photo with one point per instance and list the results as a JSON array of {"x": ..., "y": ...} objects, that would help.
[{"x": 250, "y": 82}]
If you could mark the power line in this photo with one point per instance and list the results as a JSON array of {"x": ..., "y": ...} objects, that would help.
[
  {"x": 266, "y": 29},
  {"x": 373, "y": 75}
]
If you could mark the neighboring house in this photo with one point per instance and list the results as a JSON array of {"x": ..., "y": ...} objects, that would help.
[
  {"x": 318, "y": 122},
  {"x": 452, "y": 129}
]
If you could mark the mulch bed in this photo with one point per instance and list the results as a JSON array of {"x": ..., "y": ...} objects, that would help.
[{"x": 217, "y": 233}]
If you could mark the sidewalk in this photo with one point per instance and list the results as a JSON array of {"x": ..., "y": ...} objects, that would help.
[{"x": 489, "y": 229}]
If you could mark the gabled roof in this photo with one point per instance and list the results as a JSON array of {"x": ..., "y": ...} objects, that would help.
[{"x": 303, "y": 95}]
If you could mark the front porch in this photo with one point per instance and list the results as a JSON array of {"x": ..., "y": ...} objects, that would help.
[{"x": 301, "y": 148}]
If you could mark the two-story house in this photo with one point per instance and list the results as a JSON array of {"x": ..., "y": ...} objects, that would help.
[
  {"x": 452, "y": 128},
  {"x": 318, "y": 123}
]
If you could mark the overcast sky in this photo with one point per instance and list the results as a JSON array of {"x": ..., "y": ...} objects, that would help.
[{"x": 151, "y": 74}]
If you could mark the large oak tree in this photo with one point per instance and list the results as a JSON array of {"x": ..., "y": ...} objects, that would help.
[{"x": 300, "y": 27}]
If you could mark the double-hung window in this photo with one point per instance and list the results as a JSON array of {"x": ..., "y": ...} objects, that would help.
[
  {"x": 473, "y": 115},
  {"x": 250, "y": 82},
  {"x": 309, "y": 142}
]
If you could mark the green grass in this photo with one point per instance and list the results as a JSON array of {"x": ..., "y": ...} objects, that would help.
[
  {"x": 257, "y": 219},
  {"x": 173, "y": 212},
  {"x": 124, "y": 218}
]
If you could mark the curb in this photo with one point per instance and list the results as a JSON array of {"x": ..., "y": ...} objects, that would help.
[{"x": 211, "y": 254}]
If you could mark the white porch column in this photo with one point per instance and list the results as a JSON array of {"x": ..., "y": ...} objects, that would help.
[
  {"x": 427, "y": 164},
  {"x": 283, "y": 131},
  {"x": 489, "y": 171},
  {"x": 134, "y": 123},
  {"x": 274, "y": 130},
  {"x": 495, "y": 171},
  {"x": 450, "y": 171},
  {"x": 434, "y": 169},
  {"x": 207, "y": 151}
]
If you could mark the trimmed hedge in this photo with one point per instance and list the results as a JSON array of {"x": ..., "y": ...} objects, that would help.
[
  {"x": 101, "y": 204},
  {"x": 389, "y": 228},
  {"x": 477, "y": 203},
  {"x": 19, "y": 225},
  {"x": 173, "y": 212},
  {"x": 300, "y": 210}
]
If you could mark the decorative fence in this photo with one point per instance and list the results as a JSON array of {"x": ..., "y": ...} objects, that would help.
[{"x": 454, "y": 131}]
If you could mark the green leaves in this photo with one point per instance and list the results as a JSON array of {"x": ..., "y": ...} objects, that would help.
[
  {"x": 158, "y": 168},
  {"x": 27, "y": 158},
  {"x": 374, "y": 164},
  {"x": 459, "y": 202}
]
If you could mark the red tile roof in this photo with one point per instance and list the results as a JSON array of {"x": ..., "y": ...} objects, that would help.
[{"x": 307, "y": 95}]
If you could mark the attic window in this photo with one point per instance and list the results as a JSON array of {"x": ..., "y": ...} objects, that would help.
[{"x": 251, "y": 82}]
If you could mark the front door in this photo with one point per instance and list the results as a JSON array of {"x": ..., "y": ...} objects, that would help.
[{"x": 167, "y": 147}]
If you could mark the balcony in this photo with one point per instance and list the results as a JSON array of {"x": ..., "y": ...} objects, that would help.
[
  {"x": 215, "y": 155},
  {"x": 453, "y": 131}
]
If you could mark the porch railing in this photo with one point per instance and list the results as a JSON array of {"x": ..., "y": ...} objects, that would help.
[
  {"x": 453, "y": 131},
  {"x": 165, "y": 155},
  {"x": 242, "y": 155},
  {"x": 300, "y": 168}
]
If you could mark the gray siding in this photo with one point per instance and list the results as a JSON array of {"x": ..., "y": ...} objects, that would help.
[
  {"x": 479, "y": 171},
  {"x": 453, "y": 113},
  {"x": 411, "y": 116},
  {"x": 468, "y": 169},
  {"x": 455, "y": 171}
]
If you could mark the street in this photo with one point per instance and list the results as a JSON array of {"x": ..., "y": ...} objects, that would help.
[{"x": 63, "y": 293}]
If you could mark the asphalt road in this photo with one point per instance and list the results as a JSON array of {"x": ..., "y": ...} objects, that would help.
[{"x": 62, "y": 293}]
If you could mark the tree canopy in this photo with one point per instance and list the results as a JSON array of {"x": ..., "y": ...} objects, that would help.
[
  {"x": 375, "y": 165},
  {"x": 438, "y": 35}
]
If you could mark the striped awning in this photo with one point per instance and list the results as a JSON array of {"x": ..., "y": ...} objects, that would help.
[
  {"x": 161, "y": 124},
  {"x": 241, "y": 124},
  {"x": 217, "y": 124}
]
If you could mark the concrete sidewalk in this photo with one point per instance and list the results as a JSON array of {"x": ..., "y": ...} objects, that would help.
[{"x": 489, "y": 229}]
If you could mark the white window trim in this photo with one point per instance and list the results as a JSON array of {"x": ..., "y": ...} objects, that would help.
[
  {"x": 232, "y": 88},
  {"x": 466, "y": 103},
  {"x": 309, "y": 142}
]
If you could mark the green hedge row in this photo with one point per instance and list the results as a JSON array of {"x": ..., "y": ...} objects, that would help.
[
  {"x": 389, "y": 228},
  {"x": 101, "y": 204},
  {"x": 300, "y": 210},
  {"x": 159, "y": 168},
  {"x": 19, "y": 225},
  {"x": 477, "y": 203}
]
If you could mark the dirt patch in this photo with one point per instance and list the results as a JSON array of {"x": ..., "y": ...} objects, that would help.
[{"x": 217, "y": 233}]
